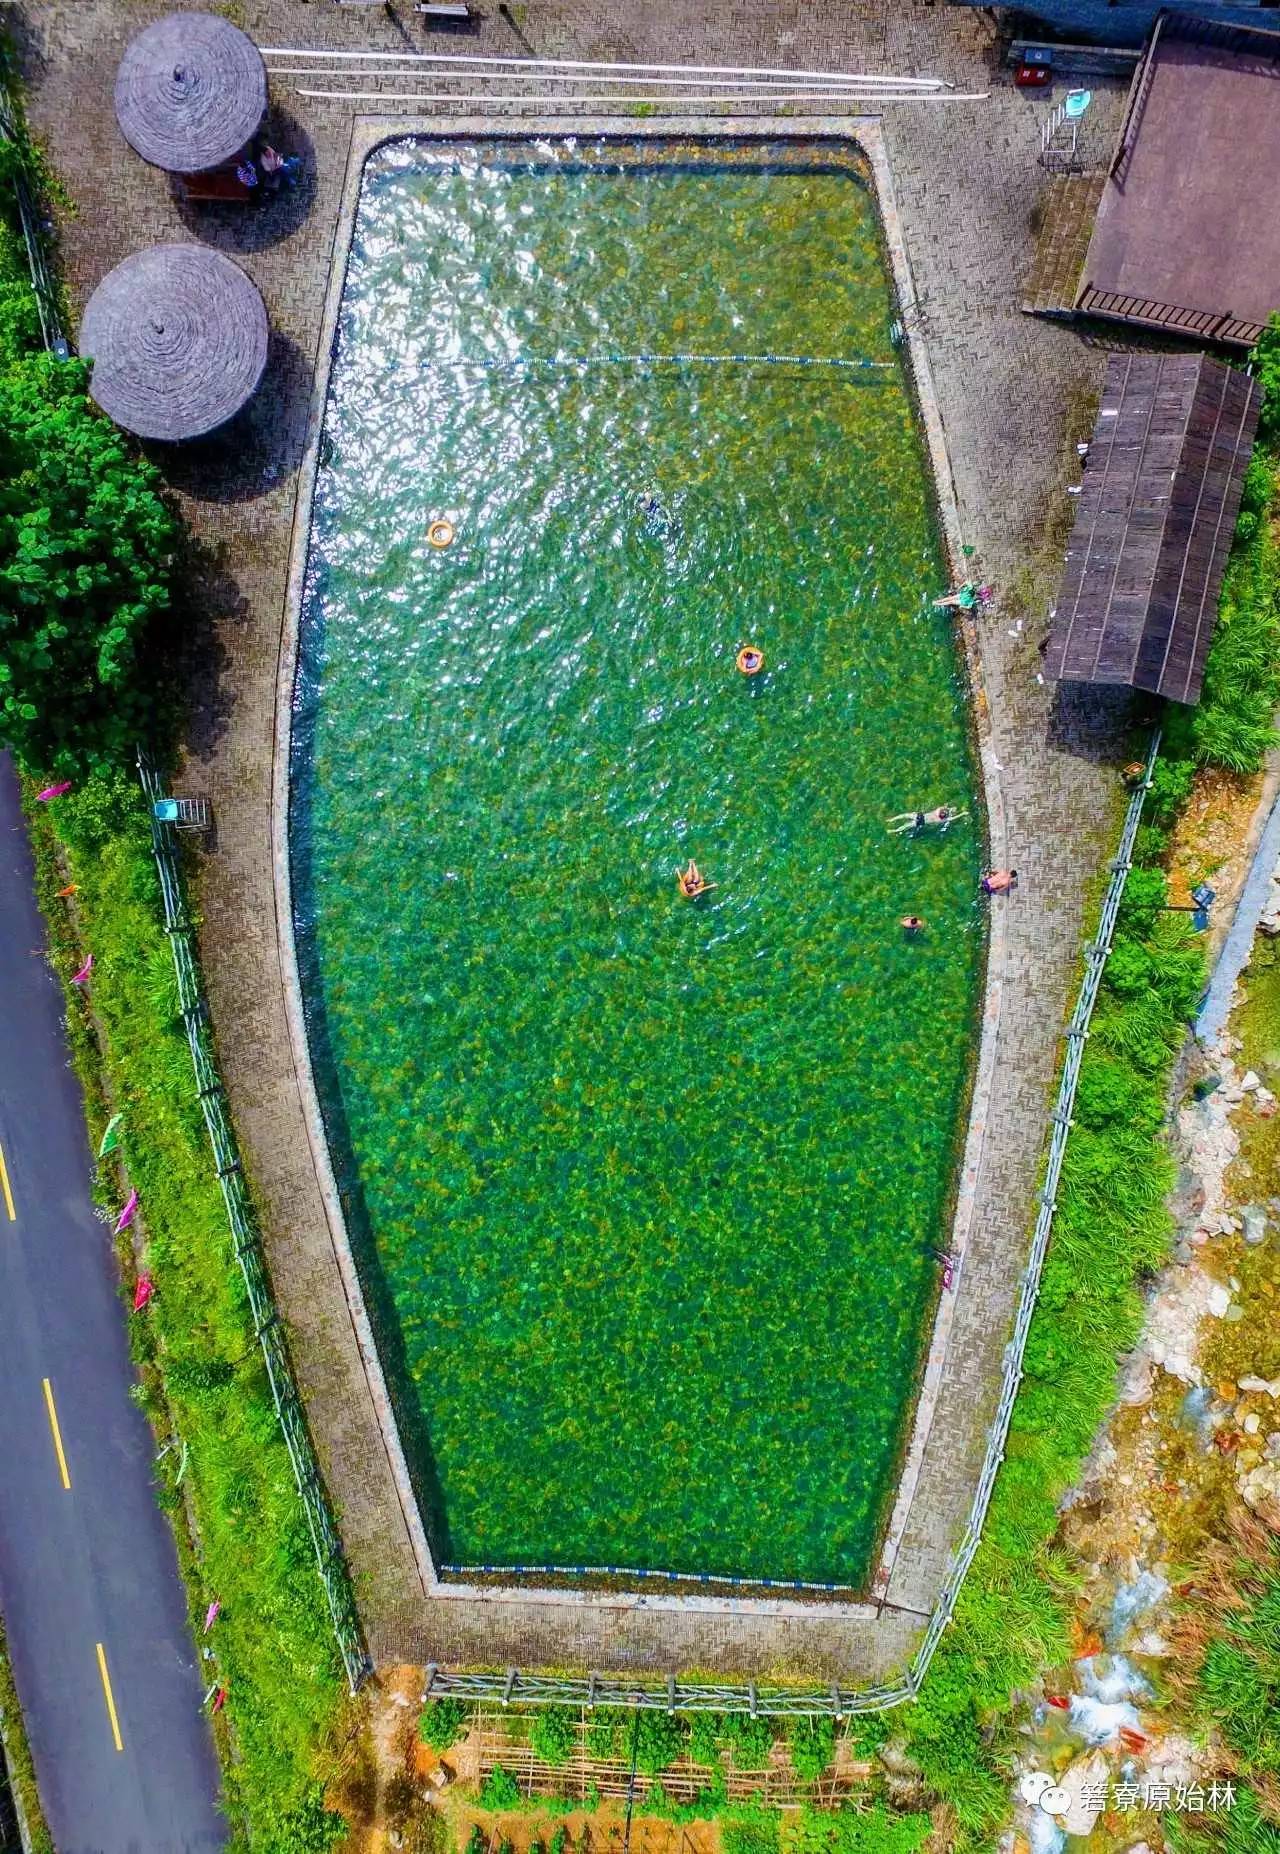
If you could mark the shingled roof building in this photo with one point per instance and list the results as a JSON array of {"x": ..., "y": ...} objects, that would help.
[{"x": 1157, "y": 508}]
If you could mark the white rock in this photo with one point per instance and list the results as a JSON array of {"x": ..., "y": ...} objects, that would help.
[
  {"x": 1260, "y": 1487},
  {"x": 1270, "y": 1387},
  {"x": 1252, "y": 1423},
  {"x": 1219, "y": 1299},
  {"x": 1089, "y": 1772},
  {"x": 1135, "y": 1380},
  {"x": 1250, "y": 1079},
  {"x": 1255, "y": 1225}
]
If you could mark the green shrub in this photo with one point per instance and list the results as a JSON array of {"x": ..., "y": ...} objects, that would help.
[
  {"x": 751, "y": 1740},
  {"x": 876, "y": 1830},
  {"x": 659, "y": 1740},
  {"x": 553, "y": 1735},
  {"x": 1266, "y": 370},
  {"x": 477, "y": 1840},
  {"x": 499, "y": 1791},
  {"x": 85, "y": 544},
  {"x": 1171, "y": 781},
  {"x": 704, "y": 1737},
  {"x": 813, "y": 1746},
  {"x": 756, "y": 1833},
  {"x": 443, "y": 1722}
]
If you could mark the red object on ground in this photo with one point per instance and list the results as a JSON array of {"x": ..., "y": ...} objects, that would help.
[
  {"x": 219, "y": 1699},
  {"x": 1063, "y": 1705},
  {"x": 1131, "y": 1740},
  {"x": 1033, "y": 76},
  {"x": 142, "y": 1293}
]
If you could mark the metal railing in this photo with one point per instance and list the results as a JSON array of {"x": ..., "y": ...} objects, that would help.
[
  {"x": 539, "y": 1689},
  {"x": 43, "y": 287},
  {"x": 248, "y": 1248}
]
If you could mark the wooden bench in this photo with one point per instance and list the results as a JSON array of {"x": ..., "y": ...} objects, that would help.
[{"x": 220, "y": 183}]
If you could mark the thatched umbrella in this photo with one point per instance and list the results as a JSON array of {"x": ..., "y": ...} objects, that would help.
[
  {"x": 178, "y": 340},
  {"x": 190, "y": 92}
]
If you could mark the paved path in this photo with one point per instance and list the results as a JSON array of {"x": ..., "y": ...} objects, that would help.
[
  {"x": 88, "y": 1574},
  {"x": 966, "y": 183}
]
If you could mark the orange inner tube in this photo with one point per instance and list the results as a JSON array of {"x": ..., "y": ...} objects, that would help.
[
  {"x": 750, "y": 660},
  {"x": 440, "y": 533}
]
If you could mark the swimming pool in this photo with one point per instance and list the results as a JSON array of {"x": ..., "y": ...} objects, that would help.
[{"x": 647, "y": 1194}]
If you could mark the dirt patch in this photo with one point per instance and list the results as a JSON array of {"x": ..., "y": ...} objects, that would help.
[{"x": 1210, "y": 843}]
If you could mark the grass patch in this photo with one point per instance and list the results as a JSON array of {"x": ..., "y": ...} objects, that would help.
[{"x": 17, "y": 1758}]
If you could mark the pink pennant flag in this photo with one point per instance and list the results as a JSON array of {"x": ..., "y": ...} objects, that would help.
[
  {"x": 127, "y": 1215},
  {"x": 146, "y": 1286},
  {"x": 219, "y": 1699},
  {"x": 53, "y": 791},
  {"x": 212, "y": 1613},
  {"x": 78, "y": 978}
]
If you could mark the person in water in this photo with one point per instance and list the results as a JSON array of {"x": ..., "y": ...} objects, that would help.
[
  {"x": 999, "y": 881},
  {"x": 692, "y": 881},
  {"x": 912, "y": 925}
]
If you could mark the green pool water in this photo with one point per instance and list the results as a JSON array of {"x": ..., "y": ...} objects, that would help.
[{"x": 647, "y": 1194}]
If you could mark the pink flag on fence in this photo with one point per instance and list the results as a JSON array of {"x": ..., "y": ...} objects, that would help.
[
  {"x": 145, "y": 1289},
  {"x": 78, "y": 978},
  {"x": 127, "y": 1215},
  {"x": 53, "y": 791},
  {"x": 212, "y": 1613}
]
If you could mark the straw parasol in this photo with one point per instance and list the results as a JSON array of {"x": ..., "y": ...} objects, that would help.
[
  {"x": 190, "y": 92},
  {"x": 178, "y": 340}
]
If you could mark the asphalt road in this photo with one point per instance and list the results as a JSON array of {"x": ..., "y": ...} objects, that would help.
[{"x": 106, "y": 1669}]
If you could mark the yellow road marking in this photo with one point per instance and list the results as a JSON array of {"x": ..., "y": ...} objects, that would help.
[
  {"x": 111, "y": 1705},
  {"x": 4, "y": 1185},
  {"x": 57, "y": 1435}
]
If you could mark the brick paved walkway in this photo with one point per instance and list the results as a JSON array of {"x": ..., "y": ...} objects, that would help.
[{"x": 966, "y": 183}]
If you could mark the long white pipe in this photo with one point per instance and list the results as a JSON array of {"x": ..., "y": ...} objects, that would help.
[
  {"x": 578, "y": 64},
  {"x": 769, "y": 88},
  {"x": 722, "y": 96}
]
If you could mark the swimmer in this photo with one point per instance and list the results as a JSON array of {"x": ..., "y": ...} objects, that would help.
[
  {"x": 999, "y": 881},
  {"x": 942, "y": 817},
  {"x": 750, "y": 660},
  {"x": 692, "y": 882},
  {"x": 911, "y": 925}
]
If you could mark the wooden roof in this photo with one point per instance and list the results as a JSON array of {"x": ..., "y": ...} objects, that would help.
[
  {"x": 1186, "y": 237},
  {"x": 1159, "y": 497}
]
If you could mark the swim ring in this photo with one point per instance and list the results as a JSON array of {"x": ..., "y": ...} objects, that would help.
[
  {"x": 440, "y": 533},
  {"x": 750, "y": 660}
]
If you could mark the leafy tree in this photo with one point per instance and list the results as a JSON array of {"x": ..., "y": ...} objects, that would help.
[{"x": 85, "y": 545}]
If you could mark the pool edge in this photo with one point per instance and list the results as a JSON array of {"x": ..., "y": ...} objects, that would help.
[{"x": 886, "y": 1590}]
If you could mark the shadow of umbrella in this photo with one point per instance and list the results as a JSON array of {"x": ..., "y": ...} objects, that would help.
[{"x": 272, "y": 217}]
